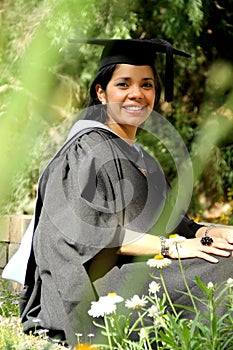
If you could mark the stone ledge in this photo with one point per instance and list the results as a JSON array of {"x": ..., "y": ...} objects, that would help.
[
  {"x": 12, "y": 229},
  {"x": 3, "y": 254}
]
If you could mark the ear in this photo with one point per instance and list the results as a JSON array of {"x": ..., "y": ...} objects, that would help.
[{"x": 100, "y": 94}]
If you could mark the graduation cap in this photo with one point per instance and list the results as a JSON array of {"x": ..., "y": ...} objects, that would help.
[{"x": 139, "y": 52}]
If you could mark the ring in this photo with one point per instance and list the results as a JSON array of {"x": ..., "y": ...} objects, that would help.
[{"x": 206, "y": 240}]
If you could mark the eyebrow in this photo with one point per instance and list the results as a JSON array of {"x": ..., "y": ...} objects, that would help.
[{"x": 128, "y": 78}]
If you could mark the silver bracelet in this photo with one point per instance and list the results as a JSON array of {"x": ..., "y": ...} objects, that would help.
[
  {"x": 167, "y": 243},
  {"x": 164, "y": 246}
]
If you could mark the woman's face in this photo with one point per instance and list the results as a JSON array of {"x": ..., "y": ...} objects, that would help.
[{"x": 129, "y": 95}]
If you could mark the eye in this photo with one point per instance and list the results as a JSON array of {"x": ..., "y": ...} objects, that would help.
[
  {"x": 148, "y": 85},
  {"x": 122, "y": 84}
]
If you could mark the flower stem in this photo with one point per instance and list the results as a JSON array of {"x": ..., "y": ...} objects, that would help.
[
  {"x": 108, "y": 332},
  {"x": 148, "y": 343},
  {"x": 212, "y": 316},
  {"x": 156, "y": 336},
  {"x": 136, "y": 323},
  {"x": 166, "y": 292},
  {"x": 185, "y": 282},
  {"x": 143, "y": 326}
]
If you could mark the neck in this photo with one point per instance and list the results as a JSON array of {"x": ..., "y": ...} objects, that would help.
[{"x": 125, "y": 132}]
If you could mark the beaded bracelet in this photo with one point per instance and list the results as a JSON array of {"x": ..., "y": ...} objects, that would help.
[{"x": 208, "y": 229}]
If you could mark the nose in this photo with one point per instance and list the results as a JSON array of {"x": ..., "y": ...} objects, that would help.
[{"x": 135, "y": 92}]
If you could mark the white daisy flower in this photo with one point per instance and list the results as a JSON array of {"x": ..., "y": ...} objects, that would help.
[
  {"x": 210, "y": 285},
  {"x": 36, "y": 320},
  {"x": 90, "y": 335},
  {"x": 41, "y": 331},
  {"x": 161, "y": 321},
  {"x": 112, "y": 298},
  {"x": 78, "y": 335},
  {"x": 101, "y": 308},
  {"x": 230, "y": 282},
  {"x": 143, "y": 333},
  {"x": 159, "y": 261},
  {"x": 153, "y": 311},
  {"x": 154, "y": 287},
  {"x": 136, "y": 302}
]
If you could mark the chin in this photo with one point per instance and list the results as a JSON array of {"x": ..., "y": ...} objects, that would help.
[{"x": 136, "y": 121}]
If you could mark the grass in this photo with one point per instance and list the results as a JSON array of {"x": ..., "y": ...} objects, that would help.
[{"x": 11, "y": 335}]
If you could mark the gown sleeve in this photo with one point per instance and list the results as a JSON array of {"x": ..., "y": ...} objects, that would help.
[
  {"x": 187, "y": 227},
  {"x": 78, "y": 216}
]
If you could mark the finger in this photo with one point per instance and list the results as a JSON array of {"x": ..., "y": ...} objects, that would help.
[
  {"x": 216, "y": 251},
  {"x": 207, "y": 257},
  {"x": 222, "y": 244},
  {"x": 229, "y": 238},
  {"x": 228, "y": 235}
]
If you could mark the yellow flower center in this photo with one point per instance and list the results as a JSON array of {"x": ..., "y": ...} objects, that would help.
[
  {"x": 112, "y": 294},
  {"x": 173, "y": 235},
  {"x": 84, "y": 347},
  {"x": 158, "y": 257}
]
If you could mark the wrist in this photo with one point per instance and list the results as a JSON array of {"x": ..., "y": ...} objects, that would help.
[
  {"x": 203, "y": 231},
  {"x": 169, "y": 244},
  {"x": 208, "y": 228},
  {"x": 164, "y": 246}
]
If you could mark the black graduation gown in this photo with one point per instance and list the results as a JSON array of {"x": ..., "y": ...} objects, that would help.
[{"x": 90, "y": 192}]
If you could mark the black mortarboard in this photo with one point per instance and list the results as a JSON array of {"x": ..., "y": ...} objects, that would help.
[{"x": 139, "y": 52}]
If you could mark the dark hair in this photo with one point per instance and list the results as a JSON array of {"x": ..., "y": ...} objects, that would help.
[{"x": 103, "y": 77}]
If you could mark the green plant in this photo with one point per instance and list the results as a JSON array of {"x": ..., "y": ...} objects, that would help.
[
  {"x": 158, "y": 328},
  {"x": 9, "y": 303}
]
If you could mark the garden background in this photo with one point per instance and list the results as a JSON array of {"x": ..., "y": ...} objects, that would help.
[
  {"x": 44, "y": 81},
  {"x": 45, "y": 78}
]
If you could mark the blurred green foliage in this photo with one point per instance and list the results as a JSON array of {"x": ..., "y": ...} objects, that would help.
[{"x": 45, "y": 79}]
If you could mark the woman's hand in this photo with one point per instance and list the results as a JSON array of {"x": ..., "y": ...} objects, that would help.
[
  {"x": 225, "y": 232},
  {"x": 193, "y": 248}
]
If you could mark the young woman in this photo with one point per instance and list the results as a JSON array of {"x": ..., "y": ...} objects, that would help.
[{"x": 99, "y": 203}]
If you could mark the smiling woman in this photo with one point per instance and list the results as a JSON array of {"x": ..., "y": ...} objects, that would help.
[
  {"x": 100, "y": 200},
  {"x": 130, "y": 98}
]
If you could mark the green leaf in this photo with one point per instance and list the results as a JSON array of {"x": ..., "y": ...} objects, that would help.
[{"x": 202, "y": 286}]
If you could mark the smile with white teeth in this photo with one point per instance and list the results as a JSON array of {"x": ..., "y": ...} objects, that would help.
[{"x": 134, "y": 108}]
